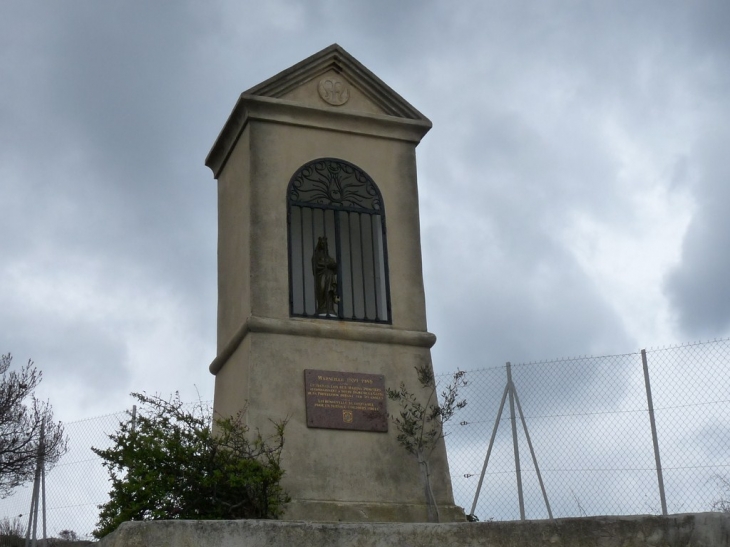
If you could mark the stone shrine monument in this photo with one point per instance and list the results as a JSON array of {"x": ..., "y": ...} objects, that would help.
[{"x": 320, "y": 291}]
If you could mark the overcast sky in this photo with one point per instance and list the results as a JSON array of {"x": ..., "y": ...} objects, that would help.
[{"x": 574, "y": 188}]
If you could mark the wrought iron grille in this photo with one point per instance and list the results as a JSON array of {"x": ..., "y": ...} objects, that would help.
[{"x": 335, "y": 208}]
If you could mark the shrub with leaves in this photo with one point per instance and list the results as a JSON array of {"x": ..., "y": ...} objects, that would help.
[
  {"x": 68, "y": 536},
  {"x": 421, "y": 425},
  {"x": 170, "y": 463}
]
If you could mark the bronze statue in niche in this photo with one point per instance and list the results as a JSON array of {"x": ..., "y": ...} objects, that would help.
[{"x": 324, "y": 268}]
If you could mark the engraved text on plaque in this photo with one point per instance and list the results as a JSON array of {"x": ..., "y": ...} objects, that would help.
[{"x": 345, "y": 400}]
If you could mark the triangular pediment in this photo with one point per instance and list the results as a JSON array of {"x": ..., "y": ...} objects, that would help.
[
  {"x": 334, "y": 79},
  {"x": 329, "y": 90}
]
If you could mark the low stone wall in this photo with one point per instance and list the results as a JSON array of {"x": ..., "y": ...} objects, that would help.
[{"x": 687, "y": 530}]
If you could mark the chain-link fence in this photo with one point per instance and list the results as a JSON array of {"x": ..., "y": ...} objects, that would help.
[
  {"x": 590, "y": 428},
  {"x": 587, "y": 419},
  {"x": 76, "y": 485}
]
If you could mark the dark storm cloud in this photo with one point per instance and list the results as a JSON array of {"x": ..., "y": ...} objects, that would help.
[
  {"x": 106, "y": 115},
  {"x": 698, "y": 287},
  {"x": 104, "y": 122},
  {"x": 52, "y": 340},
  {"x": 111, "y": 110},
  {"x": 530, "y": 140},
  {"x": 103, "y": 188},
  {"x": 515, "y": 284},
  {"x": 498, "y": 194}
]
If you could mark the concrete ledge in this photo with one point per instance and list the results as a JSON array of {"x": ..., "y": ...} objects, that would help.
[
  {"x": 351, "y": 512},
  {"x": 339, "y": 330},
  {"x": 688, "y": 530}
]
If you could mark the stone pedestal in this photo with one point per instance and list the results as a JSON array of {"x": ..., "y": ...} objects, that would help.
[
  {"x": 325, "y": 149},
  {"x": 687, "y": 530}
]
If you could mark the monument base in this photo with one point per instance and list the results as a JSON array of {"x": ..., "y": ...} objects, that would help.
[
  {"x": 337, "y": 511},
  {"x": 689, "y": 530}
]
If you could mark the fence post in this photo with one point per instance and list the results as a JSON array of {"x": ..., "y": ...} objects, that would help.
[
  {"x": 134, "y": 418},
  {"x": 654, "y": 438},
  {"x": 515, "y": 444},
  {"x": 33, "y": 519},
  {"x": 532, "y": 453},
  {"x": 489, "y": 450},
  {"x": 33, "y": 513}
]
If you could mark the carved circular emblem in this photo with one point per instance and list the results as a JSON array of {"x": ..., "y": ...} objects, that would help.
[{"x": 333, "y": 91}]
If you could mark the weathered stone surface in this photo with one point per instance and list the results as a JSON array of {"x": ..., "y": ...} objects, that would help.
[
  {"x": 689, "y": 530},
  {"x": 275, "y": 128},
  {"x": 337, "y": 511}
]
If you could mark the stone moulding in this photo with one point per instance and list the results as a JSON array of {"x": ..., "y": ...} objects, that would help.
[
  {"x": 251, "y": 107},
  {"x": 379, "y": 334}
]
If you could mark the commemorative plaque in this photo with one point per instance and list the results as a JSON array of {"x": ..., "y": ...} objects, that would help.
[{"x": 345, "y": 400}]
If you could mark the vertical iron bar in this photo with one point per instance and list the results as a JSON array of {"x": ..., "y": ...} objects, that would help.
[
  {"x": 377, "y": 267},
  {"x": 338, "y": 258},
  {"x": 289, "y": 245},
  {"x": 375, "y": 262},
  {"x": 489, "y": 450},
  {"x": 386, "y": 266},
  {"x": 326, "y": 234},
  {"x": 352, "y": 270},
  {"x": 515, "y": 444},
  {"x": 532, "y": 453},
  {"x": 304, "y": 262},
  {"x": 362, "y": 272},
  {"x": 313, "y": 296},
  {"x": 655, "y": 440}
]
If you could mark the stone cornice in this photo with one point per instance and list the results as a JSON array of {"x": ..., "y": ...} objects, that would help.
[
  {"x": 252, "y": 107},
  {"x": 314, "y": 328}
]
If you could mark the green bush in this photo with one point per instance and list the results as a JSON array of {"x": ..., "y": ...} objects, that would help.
[
  {"x": 68, "y": 536},
  {"x": 170, "y": 463}
]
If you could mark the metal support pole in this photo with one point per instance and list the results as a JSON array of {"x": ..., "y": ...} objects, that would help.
[
  {"x": 515, "y": 444},
  {"x": 33, "y": 501},
  {"x": 532, "y": 453},
  {"x": 42, "y": 472},
  {"x": 657, "y": 459},
  {"x": 134, "y": 418},
  {"x": 33, "y": 520},
  {"x": 34, "y": 538},
  {"x": 43, "y": 490},
  {"x": 489, "y": 450}
]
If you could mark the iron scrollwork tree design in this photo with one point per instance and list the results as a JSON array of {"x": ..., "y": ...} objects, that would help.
[{"x": 334, "y": 182}]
